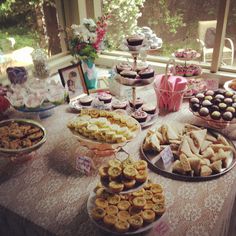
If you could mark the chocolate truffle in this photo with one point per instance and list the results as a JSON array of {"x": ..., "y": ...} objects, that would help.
[
  {"x": 234, "y": 96},
  {"x": 229, "y": 94},
  {"x": 234, "y": 105},
  {"x": 215, "y": 115},
  {"x": 231, "y": 109},
  {"x": 208, "y": 98},
  {"x": 228, "y": 101},
  {"x": 206, "y": 103},
  {"x": 215, "y": 108},
  {"x": 220, "y": 91},
  {"x": 195, "y": 107},
  {"x": 216, "y": 101},
  {"x": 200, "y": 96},
  {"x": 220, "y": 96},
  {"x": 222, "y": 106},
  {"x": 209, "y": 93},
  {"x": 194, "y": 100},
  {"x": 228, "y": 116},
  {"x": 204, "y": 111}
]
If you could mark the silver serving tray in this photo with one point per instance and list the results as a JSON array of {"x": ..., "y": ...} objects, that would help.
[{"x": 159, "y": 167}]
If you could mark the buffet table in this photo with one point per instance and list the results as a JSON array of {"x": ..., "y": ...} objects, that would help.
[{"x": 47, "y": 196}]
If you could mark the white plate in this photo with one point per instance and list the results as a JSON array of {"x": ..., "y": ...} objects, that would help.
[
  {"x": 226, "y": 86},
  {"x": 91, "y": 205}
]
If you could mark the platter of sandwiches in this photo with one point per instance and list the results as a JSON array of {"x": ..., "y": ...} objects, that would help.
[
  {"x": 103, "y": 130},
  {"x": 188, "y": 152}
]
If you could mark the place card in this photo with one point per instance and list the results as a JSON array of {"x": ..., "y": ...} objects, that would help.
[
  {"x": 84, "y": 164},
  {"x": 167, "y": 156},
  {"x": 161, "y": 228},
  {"x": 212, "y": 84}
]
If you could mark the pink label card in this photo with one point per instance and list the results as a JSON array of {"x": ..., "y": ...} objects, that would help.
[
  {"x": 212, "y": 84},
  {"x": 84, "y": 164}
]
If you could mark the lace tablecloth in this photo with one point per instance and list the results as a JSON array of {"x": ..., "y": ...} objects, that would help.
[{"x": 47, "y": 196}]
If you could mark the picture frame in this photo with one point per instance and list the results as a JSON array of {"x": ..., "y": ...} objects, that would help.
[{"x": 72, "y": 78}]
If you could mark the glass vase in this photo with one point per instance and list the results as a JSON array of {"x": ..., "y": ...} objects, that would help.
[{"x": 90, "y": 73}]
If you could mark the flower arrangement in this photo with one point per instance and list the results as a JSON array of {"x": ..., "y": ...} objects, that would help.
[{"x": 85, "y": 40}]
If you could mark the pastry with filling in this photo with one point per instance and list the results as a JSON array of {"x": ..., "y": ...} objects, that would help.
[
  {"x": 122, "y": 226},
  {"x": 148, "y": 216},
  {"x": 136, "y": 221},
  {"x": 98, "y": 213}
]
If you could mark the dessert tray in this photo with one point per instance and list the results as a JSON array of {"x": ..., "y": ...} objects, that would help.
[
  {"x": 126, "y": 213},
  {"x": 19, "y": 137},
  {"x": 96, "y": 104},
  {"x": 103, "y": 130},
  {"x": 36, "y": 95},
  {"x": 188, "y": 152},
  {"x": 217, "y": 107},
  {"x": 123, "y": 176},
  {"x": 186, "y": 54},
  {"x": 111, "y": 229},
  {"x": 138, "y": 82}
]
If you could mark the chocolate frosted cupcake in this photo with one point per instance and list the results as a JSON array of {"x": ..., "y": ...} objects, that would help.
[
  {"x": 123, "y": 66},
  {"x": 138, "y": 103},
  {"x": 140, "y": 116},
  {"x": 135, "y": 40},
  {"x": 146, "y": 73},
  {"x": 86, "y": 100},
  {"x": 119, "y": 105},
  {"x": 150, "y": 109},
  {"x": 129, "y": 74},
  {"x": 105, "y": 97}
]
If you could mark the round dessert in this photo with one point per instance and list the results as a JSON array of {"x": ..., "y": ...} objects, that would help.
[
  {"x": 186, "y": 53},
  {"x": 215, "y": 115},
  {"x": 129, "y": 74},
  {"x": 105, "y": 97},
  {"x": 146, "y": 73},
  {"x": 227, "y": 116},
  {"x": 123, "y": 66},
  {"x": 119, "y": 104},
  {"x": 135, "y": 40},
  {"x": 148, "y": 108},
  {"x": 140, "y": 116},
  {"x": 204, "y": 111},
  {"x": 138, "y": 103},
  {"x": 86, "y": 100},
  {"x": 209, "y": 93}
]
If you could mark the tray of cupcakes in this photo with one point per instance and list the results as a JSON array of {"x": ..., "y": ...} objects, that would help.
[
  {"x": 127, "y": 75},
  {"x": 218, "y": 107},
  {"x": 186, "y": 54},
  {"x": 100, "y": 100},
  {"x": 130, "y": 212},
  {"x": 145, "y": 114},
  {"x": 188, "y": 152}
]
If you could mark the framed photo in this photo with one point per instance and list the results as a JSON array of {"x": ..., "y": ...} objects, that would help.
[{"x": 72, "y": 79}]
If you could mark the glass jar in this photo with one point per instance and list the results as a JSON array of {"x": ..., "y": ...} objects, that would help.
[{"x": 40, "y": 61}]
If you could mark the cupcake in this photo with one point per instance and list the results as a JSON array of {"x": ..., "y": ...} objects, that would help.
[
  {"x": 140, "y": 68},
  {"x": 105, "y": 97},
  {"x": 123, "y": 66},
  {"x": 129, "y": 74},
  {"x": 119, "y": 104},
  {"x": 86, "y": 100},
  {"x": 146, "y": 73},
  {"x": 140, "y": 116},
  {"x": 135, "y": 40},
  {"x": 138, "y": 103},
  {"x": 150, "y": 109}
]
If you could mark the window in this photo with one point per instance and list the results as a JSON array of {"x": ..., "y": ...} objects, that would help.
[{"x": 26, "y": 25}]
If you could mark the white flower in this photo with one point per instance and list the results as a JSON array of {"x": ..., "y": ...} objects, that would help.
[
  {"x": 92, "y": 37},
  {"x": 89, "y": 22}
]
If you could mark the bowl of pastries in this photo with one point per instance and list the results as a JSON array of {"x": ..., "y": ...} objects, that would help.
[
  {"x": 103, "y": 130},
  {"x": 129, "y": 213},
  {"x": 198, "y": 153},
  {"x": 123, "y": 176},
  {"x": 20, "y": 136}
]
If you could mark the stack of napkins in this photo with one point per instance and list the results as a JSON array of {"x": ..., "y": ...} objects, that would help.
[{"x": 169, "y": 90}]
